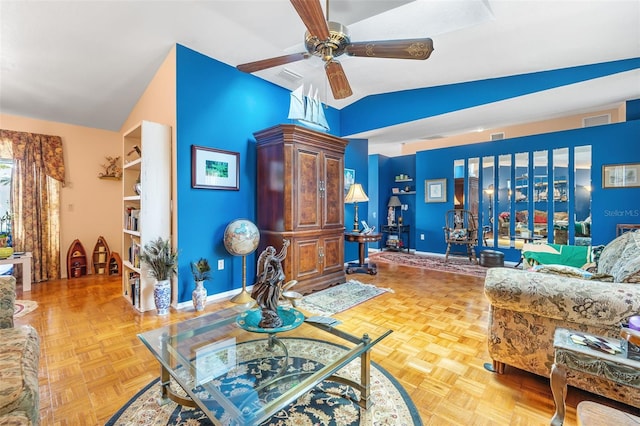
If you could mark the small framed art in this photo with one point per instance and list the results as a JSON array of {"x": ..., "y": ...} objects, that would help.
[
  {"x": 349, "y": 179},
  {"x": 214, "y": 168},
  {"x": 621, "y": 175},
  {"x": 435, "y": 191}
]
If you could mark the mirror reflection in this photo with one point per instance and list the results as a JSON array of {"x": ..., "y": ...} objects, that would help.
[
  {"x": 472, "y": 187},
  {"x": 503, "y": 200},
  {"x": 560, "y": 196},
  {"x": 458, "y": 184},
  {"x": 487, "y": 220},
  {"x": 523, "y": 232},
  {"x": 540, "y": 193},
  {"x": 582, "y": 195}
]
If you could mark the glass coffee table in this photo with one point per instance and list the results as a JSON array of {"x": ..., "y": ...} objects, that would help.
[{"x": 240, "y": 374}]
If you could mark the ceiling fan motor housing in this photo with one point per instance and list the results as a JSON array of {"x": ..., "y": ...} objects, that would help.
[{"x": 334, "y": 46}]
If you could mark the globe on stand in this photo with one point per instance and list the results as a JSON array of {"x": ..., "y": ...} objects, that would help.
[{"x": 241, "y": 237}]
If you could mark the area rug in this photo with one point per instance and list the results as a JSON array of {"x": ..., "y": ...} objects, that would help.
[
  {"x": 330, "y": 403},
  {"x": 23, "y": 307},
  {"x": 339, "y": 298},
  {"x": 456, "y": 264}
]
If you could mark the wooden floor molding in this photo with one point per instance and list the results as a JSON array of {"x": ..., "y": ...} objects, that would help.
[{"x": 92, "y": 362}]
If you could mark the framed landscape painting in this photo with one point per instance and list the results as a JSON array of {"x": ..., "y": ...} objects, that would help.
[{"x": 214, "y": 168}]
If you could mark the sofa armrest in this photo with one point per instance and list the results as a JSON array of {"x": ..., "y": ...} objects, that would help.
[
  {"x": 7, "y": 300},
  {"x": 562, "y": 298}
]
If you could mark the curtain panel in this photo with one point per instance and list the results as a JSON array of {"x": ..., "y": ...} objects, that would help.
[{"x": 38, "y": 173}]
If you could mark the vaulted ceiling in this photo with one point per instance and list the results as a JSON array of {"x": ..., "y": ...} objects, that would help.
[{"x": 87, "y": 62}]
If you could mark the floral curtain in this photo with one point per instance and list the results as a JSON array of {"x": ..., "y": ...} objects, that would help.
[{"x": 38, "y": 172}]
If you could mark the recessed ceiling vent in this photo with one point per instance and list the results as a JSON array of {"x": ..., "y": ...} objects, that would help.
[
  {"x": 497, "y": 136},
  {"x": 289, "y": 75},
  {"x": 596, "y": 120}
]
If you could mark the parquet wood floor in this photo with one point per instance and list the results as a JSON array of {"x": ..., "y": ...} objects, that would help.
[{"x": 92, "y": 362}]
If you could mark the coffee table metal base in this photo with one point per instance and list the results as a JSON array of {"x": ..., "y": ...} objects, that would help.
[{"x": 364, "y": 386}]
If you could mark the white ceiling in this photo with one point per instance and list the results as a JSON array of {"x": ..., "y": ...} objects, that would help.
[{"x": 87, "y": 62}]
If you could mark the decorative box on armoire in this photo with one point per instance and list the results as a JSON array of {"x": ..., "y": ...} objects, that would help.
[{"x": 300, "y": 182}]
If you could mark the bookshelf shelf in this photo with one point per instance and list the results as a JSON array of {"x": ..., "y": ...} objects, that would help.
[{"x": 144, "y": 218}]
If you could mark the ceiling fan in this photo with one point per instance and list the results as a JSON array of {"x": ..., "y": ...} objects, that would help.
[{"x": 328, "y": 40}]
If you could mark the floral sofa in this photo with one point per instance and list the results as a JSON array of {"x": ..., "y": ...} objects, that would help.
[
  {"x": 526, "y": 308},
  {"x": 19, "y": 360}
]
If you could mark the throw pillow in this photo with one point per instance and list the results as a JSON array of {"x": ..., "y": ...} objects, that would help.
[
  {"x": 564, "y": 270},
  {"x": 459, "y": 234}
]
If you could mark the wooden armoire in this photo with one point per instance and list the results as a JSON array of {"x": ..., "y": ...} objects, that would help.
[{"x": 301, "y": 198}]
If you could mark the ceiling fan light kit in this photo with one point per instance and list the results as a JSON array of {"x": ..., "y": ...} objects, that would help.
[{"x": 329, "y": 40}]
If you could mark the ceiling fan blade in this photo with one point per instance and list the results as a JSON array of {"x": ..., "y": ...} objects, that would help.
[
  {"x": 310, "y": 12},
  {"x": 416, "y": 48},
  {"x": 272, "y": 62},
  {"x": 337, "y": 80}
]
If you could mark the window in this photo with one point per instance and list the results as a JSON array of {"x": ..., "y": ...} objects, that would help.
[{"x": 6, "y": 166}]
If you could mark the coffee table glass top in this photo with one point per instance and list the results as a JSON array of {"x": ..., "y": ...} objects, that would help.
[{"x": 240, "y": 377}]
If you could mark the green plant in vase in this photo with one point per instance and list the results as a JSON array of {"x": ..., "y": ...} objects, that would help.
[
  {"x": 162, "y": 261},
  {"x": 201, "y": 272}
]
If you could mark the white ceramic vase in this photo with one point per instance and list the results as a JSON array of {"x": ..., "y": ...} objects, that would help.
[
  {"x": 199, "y": 296},
  {"x": 162, "y": 296}
]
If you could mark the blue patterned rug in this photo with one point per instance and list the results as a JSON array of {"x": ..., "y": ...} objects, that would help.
[{"x": 330, "y": 403}]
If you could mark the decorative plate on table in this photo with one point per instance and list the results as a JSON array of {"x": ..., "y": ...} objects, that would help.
[{"x": 291, "y": 318}]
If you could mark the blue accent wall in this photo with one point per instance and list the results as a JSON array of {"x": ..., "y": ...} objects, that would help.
[
  {"x": 388, "y": 109},
  {"x": 220, "y": 107},
  {"x": 611, "y": 144},
  {"x": 356, "y": 157}
]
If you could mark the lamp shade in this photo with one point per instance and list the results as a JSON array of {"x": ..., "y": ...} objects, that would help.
[
  {"x": 356, "y": 194},
  {"x": 394, "y": 201}
]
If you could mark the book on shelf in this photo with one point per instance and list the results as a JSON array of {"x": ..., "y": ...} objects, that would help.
[
  {"x": 133, "y": 281},
  {"x": 132, "y": 218},
  {"x": 134, "y": 254}
]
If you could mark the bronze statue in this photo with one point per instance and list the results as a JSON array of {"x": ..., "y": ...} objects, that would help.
[{"x": 268, "y": 287}]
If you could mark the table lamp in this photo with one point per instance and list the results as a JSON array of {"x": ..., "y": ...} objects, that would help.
[
  {"x": 354, "y": 196},
  {"x": 394, "y": 202}
]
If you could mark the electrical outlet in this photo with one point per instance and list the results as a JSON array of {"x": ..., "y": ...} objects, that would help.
[
  {"x": 422, "y": 237},
  {"x": 220, "y": 264}
]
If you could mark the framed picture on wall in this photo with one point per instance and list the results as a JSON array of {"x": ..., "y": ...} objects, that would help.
[
  {"x": 349, "y": 179},
  {"x": 435, "y": 191},
  {"x": 621, "y": 175},
  {"x": 214, "y": 168}
]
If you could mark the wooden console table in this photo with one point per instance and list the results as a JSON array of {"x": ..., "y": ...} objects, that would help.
[
  {"x": 571, "y": 356},
  {"x": 25, "y": 260},
  {"x": 362, "y": 240}
]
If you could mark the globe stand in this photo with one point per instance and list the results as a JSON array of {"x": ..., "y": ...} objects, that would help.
[{"x": 243, "y": 296}]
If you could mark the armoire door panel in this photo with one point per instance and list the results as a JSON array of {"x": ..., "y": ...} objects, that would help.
[
  {"x": 333, "y": 213},
  {"x": 307, "y": 255},
  {"x": 333, "y": 253},
  {"x": 308, "y": 189}
]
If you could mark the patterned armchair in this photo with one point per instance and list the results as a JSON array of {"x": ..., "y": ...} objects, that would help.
[
  {"x": 19, "y": 360},
  {"x": 527, "y": 307}
]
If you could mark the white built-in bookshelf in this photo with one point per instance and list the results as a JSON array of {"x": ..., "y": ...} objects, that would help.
[{"x": 145, "y": 215}]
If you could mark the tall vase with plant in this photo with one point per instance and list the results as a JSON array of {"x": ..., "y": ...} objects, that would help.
[
  {"x": 201, "y": 272},
  {"x": 162, "y": 261}
]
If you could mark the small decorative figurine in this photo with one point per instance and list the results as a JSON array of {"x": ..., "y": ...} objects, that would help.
[
  {"x": 391, "y": 216},
  {"x": 112, "y": 168},
  {"x": 268, "y": 286}
]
